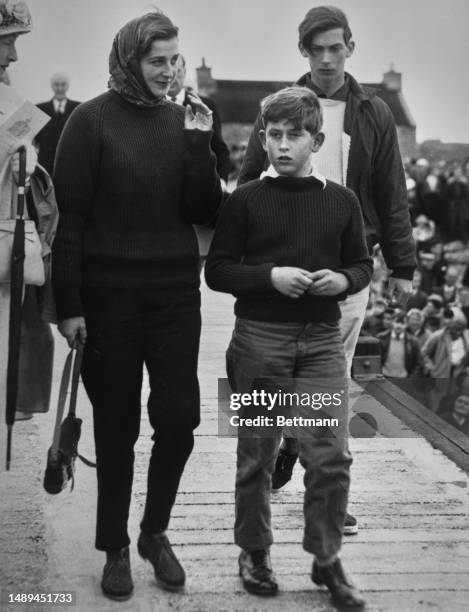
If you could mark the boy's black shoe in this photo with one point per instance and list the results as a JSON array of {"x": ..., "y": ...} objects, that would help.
[
  {"x": 156, "y": 548},
  {"x": 256, "y": 572},
  {"x": 283, "y": 468},
  {"x": 350, "y": 525},
  {"x": 343, "y": 594},
  {"x": 117, "y": 580}
]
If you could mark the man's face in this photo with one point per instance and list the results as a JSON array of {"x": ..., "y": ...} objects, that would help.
[
  {"x": 451, "y": 277},
  {"x": 387, "y": 320},
  {"x": 179, "y": 78},
  {"x": 456, "y": 329},
  {"x": 7, "y": 51},
  {"x": 59, "y": 87},
  {"x": 398, "y": 327},
  {"x": 414, "y": 322},
  {"x": 326, "y": 54},
  {"x": 461, "y": 406},
  {"x": 289, "y": 147},
  {"x": 159, "y": 66}
]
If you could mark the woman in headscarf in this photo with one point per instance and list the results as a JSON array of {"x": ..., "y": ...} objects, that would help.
[
  {"x": 133, "y": 172},
  {"x": 36, "y": 348}
]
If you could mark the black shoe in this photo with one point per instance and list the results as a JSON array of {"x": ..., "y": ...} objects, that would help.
[
  {"x": 350, "y": 525},
  {"x": 283, "y": 468},
  {"x": 256, "y": 573},
  {"x": 117, "y": 580},
  {"x": 156, "y": 548},
  {"x": 343, "y": 594}
]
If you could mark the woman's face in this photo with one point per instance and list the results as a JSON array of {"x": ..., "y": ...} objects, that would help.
[
  {"x": 7, "y": 51},
  {"x": 159, "y": 66}
]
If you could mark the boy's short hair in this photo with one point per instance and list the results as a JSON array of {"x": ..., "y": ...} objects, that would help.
[
  {"x": 299, "y": 105},
  {"x": 321, "y": 19}
]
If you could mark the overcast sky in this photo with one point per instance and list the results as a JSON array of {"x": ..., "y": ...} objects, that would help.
[{"x": 426, "y": 40}]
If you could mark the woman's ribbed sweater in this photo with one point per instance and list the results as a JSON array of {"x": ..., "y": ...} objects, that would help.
[
  {"x": 287, "y": 221},
  {"x": 130, "y": 182}
]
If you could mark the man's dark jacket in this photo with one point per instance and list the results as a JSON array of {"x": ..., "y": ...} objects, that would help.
[
  {"x": 48, "y": 137},
  {"x": 375, "y": 174},
  {"x": 412, "y": 358}
]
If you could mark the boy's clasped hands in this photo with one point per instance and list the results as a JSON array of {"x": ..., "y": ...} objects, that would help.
[{"x": 294, "y": 282}]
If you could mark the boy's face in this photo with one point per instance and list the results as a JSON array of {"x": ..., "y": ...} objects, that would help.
[{"x": 289, "y": 147}]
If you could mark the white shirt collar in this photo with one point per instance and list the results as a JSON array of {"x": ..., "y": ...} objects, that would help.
[
  {"x": 180, "y": 97},
  {"x": 59, "y": 104},
  {"x": 272, "y": 173}
]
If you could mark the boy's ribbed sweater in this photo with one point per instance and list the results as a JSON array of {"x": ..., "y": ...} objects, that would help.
[
  {"x": 130, "y": 182},
  {"x": 287, "y": 221}
]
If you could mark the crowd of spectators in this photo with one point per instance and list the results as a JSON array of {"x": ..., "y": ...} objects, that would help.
[{"x": 428, "y": 342}]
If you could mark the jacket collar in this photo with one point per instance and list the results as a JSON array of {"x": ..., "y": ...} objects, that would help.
[{"x": 351, "y": 84}]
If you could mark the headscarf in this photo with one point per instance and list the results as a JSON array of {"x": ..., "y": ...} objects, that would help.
[{"x": 124, "y": 67}]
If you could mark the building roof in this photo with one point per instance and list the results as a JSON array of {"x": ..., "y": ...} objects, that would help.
[
  {"x": 395, "y": 101},
  {"x": 238, "y": 101}
]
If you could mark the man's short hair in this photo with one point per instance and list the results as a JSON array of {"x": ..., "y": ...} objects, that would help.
[
  {"x": 153, "y": 26},
  {"x": 59, "y": 76},
  {"x": 321, "y": 19},
  {"x": 296, "y": 104}
]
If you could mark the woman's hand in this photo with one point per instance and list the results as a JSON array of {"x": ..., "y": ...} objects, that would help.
[
  {"x": 202, "y": 120},
  {"x": 73, "y": 330}
]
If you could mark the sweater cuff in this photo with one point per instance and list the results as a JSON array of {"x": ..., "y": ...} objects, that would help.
[
  {"x": 198, "y": 141},
  {"x": 406, "y": 273},
  {"x": 68, "y": 302}
]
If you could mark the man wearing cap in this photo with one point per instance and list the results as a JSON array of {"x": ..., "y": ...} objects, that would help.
[
  {"x": 59, "y": 110},
  {"x": 361, "y": 152}
]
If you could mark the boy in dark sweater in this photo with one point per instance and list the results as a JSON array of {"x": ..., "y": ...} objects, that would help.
[{"x": 289, "y": 246}]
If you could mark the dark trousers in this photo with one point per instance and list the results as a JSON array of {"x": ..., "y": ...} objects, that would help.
[
  {"x": 128, "y": 328},
  {"x": 305, "y": 358}
]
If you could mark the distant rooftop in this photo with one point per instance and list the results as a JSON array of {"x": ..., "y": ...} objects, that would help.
[{"x": 238, "y": 100}]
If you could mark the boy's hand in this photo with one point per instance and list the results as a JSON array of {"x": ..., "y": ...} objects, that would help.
[
  {"x": 292, "y": 282},
  {"x": 327, "y": 282}
]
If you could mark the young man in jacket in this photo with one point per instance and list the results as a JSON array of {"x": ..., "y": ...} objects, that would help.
[{"x": 361, "y": 152}]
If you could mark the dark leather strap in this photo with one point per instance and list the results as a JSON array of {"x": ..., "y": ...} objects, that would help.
[
  {"x": 64, "y": 382},
  {"x": 75, "y": 356}
]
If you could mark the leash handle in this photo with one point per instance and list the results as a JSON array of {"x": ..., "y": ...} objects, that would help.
[
  {"x": 64, "y": 384},
  {"x": 75, "y": 377}
]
